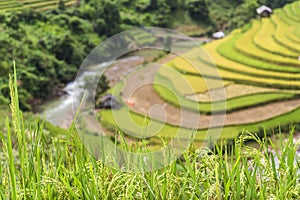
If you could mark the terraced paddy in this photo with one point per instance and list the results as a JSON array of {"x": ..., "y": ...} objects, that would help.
[
  {"x": 261, "y": 77},
  {"x": 42, "y": 5}
]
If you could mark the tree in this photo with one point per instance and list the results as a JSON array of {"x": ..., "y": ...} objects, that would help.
[
  {"x": 198, "y": 9},
  {"x": 109, "y": 12},
  {"x": 14, "y": 21},
  {"x": 64, "y": 48},
  {"x": 61, "y": 5},
  {"x": 76, "y": 26},
  {"x": 174, "y": 4},
  {"x": 153, "y": 4},
  {"x": 275, "y": 3},
  {"x": 103, "y": 86},
  {"x": 244, "y": 13}
]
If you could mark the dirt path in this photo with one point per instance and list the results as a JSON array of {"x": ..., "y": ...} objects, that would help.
[{"x": 139, "y": 89}]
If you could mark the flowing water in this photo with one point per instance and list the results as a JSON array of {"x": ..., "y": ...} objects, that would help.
[{"x": 60, "y": 111}]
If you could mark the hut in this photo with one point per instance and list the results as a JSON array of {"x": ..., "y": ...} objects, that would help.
[
  {"x": 264, "y": 11},
  {"x": 108, "y": 101},
  {"x": 218, "y": 35}
]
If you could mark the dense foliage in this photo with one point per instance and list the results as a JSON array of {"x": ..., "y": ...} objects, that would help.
[{"x": 48, "y": 49}]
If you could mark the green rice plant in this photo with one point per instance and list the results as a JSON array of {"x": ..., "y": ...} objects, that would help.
[
  {"x": 12, "y": 170},
  {"x": 163, "y": 86},
  {"x": 227, "y": 50},
  {"x": 189, "y": 84},
  {"x": 289, "y": 10},
  {"x": 246, "y": 46},
  {"x": 264, "y": 40},
  {"x": 232, "y": 71},
  {"x": 61, "y": 168},
  {"x": 295, "y": 8},
  {"x": 228, "y": 132},
  {"x": 255, "y": 127},
  {"x": 226, "y": 172},
  {"x": 228, "y": 64},
  {"x": 294, "y": 34},
  {"x": 229, "y": 75},
  {"x": 280, "y": 36}
]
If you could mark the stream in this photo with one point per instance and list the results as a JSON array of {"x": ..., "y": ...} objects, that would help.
[{"x": 59, "y": 111}]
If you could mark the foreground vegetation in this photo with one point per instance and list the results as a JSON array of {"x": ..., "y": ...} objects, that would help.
[{"x": 35, "y": 165}]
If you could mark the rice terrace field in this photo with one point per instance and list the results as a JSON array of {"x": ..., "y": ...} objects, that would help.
[
  {"x": 260, "y": 67},
  {"x": 42, "y": 5}
]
